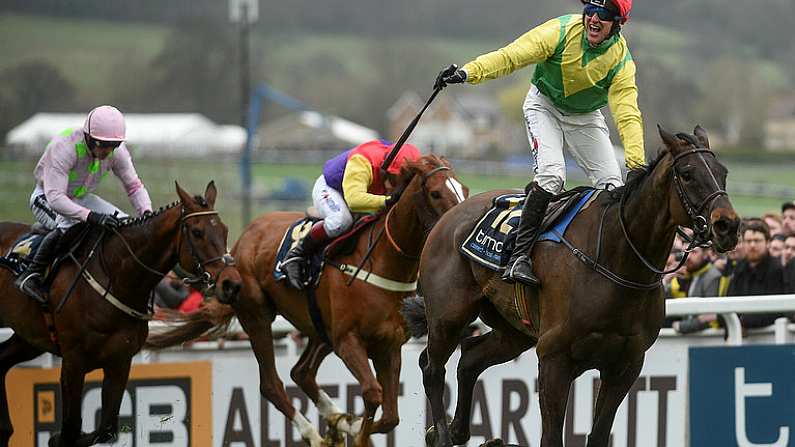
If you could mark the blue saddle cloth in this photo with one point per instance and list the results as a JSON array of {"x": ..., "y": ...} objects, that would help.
[{"x": 491, "y": 241}]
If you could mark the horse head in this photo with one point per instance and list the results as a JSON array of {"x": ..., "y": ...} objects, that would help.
[
  {"x": 202, "y": 246},
  {"x": 698, "y": 197},
  {"x": 431, "y": 184}
]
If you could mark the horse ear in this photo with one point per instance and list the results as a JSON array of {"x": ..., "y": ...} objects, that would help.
[
  {"x": 210, "y": 193},
  {"x": 701, "y": 134},
  {"x": 670, "y": 140},
  {"x": 183, "y": 196}
]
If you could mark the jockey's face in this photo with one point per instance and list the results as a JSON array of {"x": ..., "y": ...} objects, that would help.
[
  {"x": 596, "y": 30},
  {"x": 103, "y": 149}
]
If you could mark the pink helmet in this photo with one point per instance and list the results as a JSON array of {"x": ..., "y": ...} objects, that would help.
[{"x": 105, "y": 123}]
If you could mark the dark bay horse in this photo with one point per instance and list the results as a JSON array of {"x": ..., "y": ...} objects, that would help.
[
  {"x": 91, "y": 332},
  {"x": 589, "y": 317},
  {"x": 362, "y": 320}
]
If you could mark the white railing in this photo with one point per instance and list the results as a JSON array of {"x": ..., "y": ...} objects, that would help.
[{"x": 730, "y": 306}]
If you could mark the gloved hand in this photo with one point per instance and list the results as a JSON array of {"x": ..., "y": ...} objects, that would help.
[
  {"x": 450, "y": 75},
  {"x": 632, "y": 174},
  {"x": 101, "y": 219},
  {"x": 393, "y": 198}
]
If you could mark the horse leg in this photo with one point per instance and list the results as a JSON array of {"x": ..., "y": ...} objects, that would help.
[
  {"x": 12, "y": 351},
  {"x": 478, "y": 354},
  {"x": 256, "y": 320},
  {"x": 387, "y": 368},
  {"x": 72, "y": 381},
  {"x": 304, "y": 375},
  {"x": 353, "y": 352},
  {"x": 115, "y": 381},
  {"x": 555, "y": 374},
  {"x": 615, "y": 384}
]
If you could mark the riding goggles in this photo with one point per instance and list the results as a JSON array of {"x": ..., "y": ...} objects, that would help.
[
  {"x": 108, "y": 144},
  {"x": 604, "y": 14}
]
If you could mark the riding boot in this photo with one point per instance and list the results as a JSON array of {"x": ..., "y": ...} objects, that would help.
[
  {"x": 31, "y": 281},
  {"x": 296, "y": 259},
  {"x": 520, "y": 266}
]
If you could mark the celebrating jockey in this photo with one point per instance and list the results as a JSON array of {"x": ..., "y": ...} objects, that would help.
[
  {"x": 351, "y": 182},
  {"x": 67, "y": 174},
  {"x": 582, "y": 64}
]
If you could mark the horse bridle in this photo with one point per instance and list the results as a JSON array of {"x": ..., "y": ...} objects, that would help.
[
  {"x": 700, "y": 224},
  {"x": 427, "y": 214},
  {"x": 201, "y": 276}
]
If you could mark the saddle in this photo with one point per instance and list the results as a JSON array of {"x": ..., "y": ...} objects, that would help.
[
  {"x": 24, "y": 249},
  {"x": 492, "y": 240},
  {"x": 340, "y": 246}
]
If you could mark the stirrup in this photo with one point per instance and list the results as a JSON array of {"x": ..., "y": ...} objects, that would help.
[{"x": 32, "y": 292}]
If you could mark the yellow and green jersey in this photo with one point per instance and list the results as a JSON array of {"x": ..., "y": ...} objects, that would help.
[{"x": 575, "y": 76}]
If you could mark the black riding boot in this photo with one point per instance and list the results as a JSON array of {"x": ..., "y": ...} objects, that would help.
[
  {"x": 520, "y": 267},
  {"x": 31, "y": 280},
  {"x": 296, "y": 258}
]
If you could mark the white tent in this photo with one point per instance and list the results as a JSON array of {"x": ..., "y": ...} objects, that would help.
[{"x": 154, "y": 135}]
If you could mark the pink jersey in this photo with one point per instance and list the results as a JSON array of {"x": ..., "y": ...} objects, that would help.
[{"x": 67, "y": 171}]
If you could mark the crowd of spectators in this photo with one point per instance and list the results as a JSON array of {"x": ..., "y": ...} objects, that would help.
[{"x": 763, "y": 263}]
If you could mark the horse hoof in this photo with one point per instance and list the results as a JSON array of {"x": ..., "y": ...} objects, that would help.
[{"x": 430, "y": 436}]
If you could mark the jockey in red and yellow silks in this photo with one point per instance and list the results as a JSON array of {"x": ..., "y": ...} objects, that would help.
[
  {"x": 351, "y": 183},
  {"x": 582, "y": 63}
]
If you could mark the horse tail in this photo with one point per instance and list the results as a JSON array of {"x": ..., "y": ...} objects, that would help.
[
  {"x": 413, "y": 312},
  {"x": 211, "y": 319}
]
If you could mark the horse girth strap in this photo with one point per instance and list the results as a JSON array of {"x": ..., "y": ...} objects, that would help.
[
  {"x": 104, "y": 293},
  {"x": 376, "y": 280}
]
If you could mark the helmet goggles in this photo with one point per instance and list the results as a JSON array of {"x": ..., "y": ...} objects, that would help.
[{"x": 604, "y": 14}]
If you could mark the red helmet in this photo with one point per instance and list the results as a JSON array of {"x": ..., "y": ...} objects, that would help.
[
  {"x": 622, "y": 6},
  {"x": 407, "y": 152}
]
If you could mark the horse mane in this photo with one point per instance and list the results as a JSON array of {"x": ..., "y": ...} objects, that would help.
[
  {"x": 408, "y": 170},
  {"x": 144, "y": 218},
  {"x": 644, "y": 171}
]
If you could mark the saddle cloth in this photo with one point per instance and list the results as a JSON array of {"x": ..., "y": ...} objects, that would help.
[
  {"x": 343, "y": 244},
  {"x": 21, "y": 253},
  {"x": 492, "y": 240}
]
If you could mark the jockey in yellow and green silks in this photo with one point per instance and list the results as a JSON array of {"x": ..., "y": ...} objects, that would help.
[{"x": 582, "y": 64}]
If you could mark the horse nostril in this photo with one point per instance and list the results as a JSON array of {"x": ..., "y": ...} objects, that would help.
[
  {"x": 721, "y": 226},
  {"x": 230, "y": 289}
]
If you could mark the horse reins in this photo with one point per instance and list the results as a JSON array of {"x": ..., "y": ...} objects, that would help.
[
  {"x": 701, "y": 228},
  {"x": 386, "y": 230}
]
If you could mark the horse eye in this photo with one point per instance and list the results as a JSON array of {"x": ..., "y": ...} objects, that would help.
[
  {"x": 436, "y": 194},
  {"x": 686, "y": 176},
  {"x": 197, "y": 233}
]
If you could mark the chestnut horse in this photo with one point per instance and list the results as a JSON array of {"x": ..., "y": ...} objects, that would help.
[
  {"x": 92, "y": 332},
  {"x": 593, "y": 312},
  {"x": 361, "y": 320}
]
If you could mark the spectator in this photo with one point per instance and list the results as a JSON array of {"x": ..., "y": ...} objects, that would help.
[
  {"x": 789, "y": 248},
  {"x": 170, "y": 292},
  {"x": 777, "y": 247},
  {"x": 758, "y": 273},
  {"x": 773, "y": 222},
  {"x": 788, "y": 217},
  {"x": 700, "y": 279}
]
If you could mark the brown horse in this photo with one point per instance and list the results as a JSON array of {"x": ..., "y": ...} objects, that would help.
[
  {"x": 361, "y": 320},
  {"x": 92, "y": 332},
  {"x": 592, "y": 313}
]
